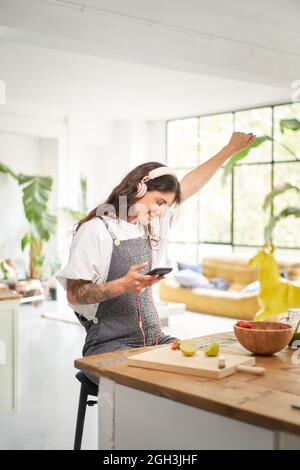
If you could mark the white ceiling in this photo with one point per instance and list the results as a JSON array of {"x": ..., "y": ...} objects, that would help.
[
  {"x": 73, "y": 84},
  {"x": 77, "y": 84},
  {"x": 272, "y": 24}
]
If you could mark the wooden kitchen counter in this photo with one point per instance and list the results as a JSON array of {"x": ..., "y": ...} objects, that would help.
[{"x": 261, "y": 400}]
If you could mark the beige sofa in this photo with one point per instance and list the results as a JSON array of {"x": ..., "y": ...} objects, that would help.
[{"x": 230, "y": 303}]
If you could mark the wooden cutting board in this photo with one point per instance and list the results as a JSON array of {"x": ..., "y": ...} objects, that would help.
[
  {"x": 166, "y": 359},
  {"x": 9, "y": 295}
]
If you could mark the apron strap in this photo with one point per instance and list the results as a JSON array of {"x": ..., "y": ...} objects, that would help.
[{"x": 110, "y": 230}]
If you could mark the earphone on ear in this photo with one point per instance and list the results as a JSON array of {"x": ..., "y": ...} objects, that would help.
[{"x": 155, "y": 173}]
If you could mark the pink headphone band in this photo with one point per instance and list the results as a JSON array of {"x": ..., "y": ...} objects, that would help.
[{"x": 160, "y": 171}]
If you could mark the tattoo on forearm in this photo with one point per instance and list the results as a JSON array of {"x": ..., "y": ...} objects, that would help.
[{"x": 86, "y": 292}]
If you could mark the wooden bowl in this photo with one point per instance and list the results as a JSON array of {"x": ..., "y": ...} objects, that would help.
[{"x": 264, "y": 338}]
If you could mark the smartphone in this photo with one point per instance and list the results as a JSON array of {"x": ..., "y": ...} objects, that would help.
[{"x": 159, "y": 271}]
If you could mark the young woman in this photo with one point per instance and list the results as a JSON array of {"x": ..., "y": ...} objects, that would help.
[{"x": 115, "y": 245}]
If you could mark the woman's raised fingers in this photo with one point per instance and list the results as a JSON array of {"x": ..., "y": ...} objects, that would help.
[{"x": 137, "y": 267}]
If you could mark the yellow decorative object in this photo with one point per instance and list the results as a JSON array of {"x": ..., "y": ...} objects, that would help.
[
  {"x": 276, "y": 294},
  {"x": 232, "y": 303}
]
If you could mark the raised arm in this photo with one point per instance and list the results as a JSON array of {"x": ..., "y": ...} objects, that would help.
[{"x": 197, "y": 178}]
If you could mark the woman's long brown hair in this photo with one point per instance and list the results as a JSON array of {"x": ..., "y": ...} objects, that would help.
[{"x": 128, "y": 189}]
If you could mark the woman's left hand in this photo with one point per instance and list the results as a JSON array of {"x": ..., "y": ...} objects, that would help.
[{"x": 239, "y": 141}]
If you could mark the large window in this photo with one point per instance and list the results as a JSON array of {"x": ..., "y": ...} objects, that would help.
[{"x": 230, "y": 217}]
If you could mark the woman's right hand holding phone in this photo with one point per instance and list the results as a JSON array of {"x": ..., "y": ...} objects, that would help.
[{"x": 137, "y": 282}]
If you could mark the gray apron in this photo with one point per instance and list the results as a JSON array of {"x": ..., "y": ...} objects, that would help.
[{"x": 116, "y": 325}]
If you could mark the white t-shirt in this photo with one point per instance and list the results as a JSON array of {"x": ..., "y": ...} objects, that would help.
[{"x": 92, "y": 246}]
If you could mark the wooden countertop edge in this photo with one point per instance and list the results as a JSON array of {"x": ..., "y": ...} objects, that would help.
[
  {"x": 227, "y": 410},
  {"x": 4, "y": 297}
]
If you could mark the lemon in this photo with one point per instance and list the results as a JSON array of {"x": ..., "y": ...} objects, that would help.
[
  {"x": 188, "y": 348},
  {"x": 212, "y": 349}
]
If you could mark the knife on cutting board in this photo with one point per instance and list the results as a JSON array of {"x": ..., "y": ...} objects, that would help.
[{"x": 242, "y": 368}]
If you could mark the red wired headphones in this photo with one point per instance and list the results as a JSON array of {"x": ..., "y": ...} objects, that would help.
[{"x": 141, "y": 191}]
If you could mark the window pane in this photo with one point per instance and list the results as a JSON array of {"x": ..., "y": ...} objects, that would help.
[
  {"x": 251, "y": 184},
  {"x": 286, "y": 232},
  {"x": 215, "y": 210},
  {"x": 244, "y": 252},
  {"x": 185, "y": 228},
  {"x": 288, "y": 254},
  {"x": 215, "y": 132},
  {"x": 258, "y": 121},
  {"x": 206, "y": 250},
  {"x": 182, "y": 143},
  {"x": 289, "y": 138},
  {"x": 186, "y": 253}
]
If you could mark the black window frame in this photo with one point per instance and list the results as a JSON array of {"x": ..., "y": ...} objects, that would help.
[{"x": 271, "y": 163}]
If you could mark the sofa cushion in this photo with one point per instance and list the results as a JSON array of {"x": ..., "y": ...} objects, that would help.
[
  {"x": 191, "y": 279},
  {"x": 219, "y": 283},
  {"x": 212, "y": 301},
  {"x": 235, "y": 268},
  {"x": 194, "y": 267},
  {"x": 234, "y": 271},
  {"x": 253, "y": 288}
]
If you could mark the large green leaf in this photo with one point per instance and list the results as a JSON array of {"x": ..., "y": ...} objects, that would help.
[
  {"x": 36, "y": 191},
  {"x": 45, "y": 227},
  {"x": 287, "y": 212},
  {"x": 290, "y": 151},
  {"x": 4, "y": 271},
  {"x": 83, "y": 187},
  {"x": 40, "y": 260},
  {"x": 269, "y": 229},
  {"x": 5, "y": 169},
  {"x": 242, "y": 154},
  {"x": 25, "y": 241},
  {"x": 291, "y": 124},
  {"x": 295, "y": 211},
  {"x": 278, "y": 190}
]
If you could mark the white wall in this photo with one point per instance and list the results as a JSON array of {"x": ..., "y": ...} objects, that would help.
[
  {"x": 148, "y": 141},
  {"x": 104, "y": 152},
  {"x": 126, "y": 145},
  {"x": 21, "y": 153},
  {"x": 157, "y": 141}
]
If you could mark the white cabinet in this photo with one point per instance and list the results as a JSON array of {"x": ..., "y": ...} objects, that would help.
[
  {"x": 132, "y": 419},
  {"x": 9, "y": 317}
]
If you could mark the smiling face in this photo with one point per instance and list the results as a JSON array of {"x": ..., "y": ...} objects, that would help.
[{"x": 152, "y": 205}]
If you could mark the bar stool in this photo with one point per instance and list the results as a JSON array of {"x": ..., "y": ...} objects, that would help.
[{"x": 87, "y": 388}]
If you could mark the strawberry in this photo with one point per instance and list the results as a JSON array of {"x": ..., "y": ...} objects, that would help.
[
  {"x": 282, "y": 326},
  {"x": 244, "y": 324}
]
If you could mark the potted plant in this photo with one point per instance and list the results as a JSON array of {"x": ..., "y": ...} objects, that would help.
[{"x": 41, "y": 224}]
